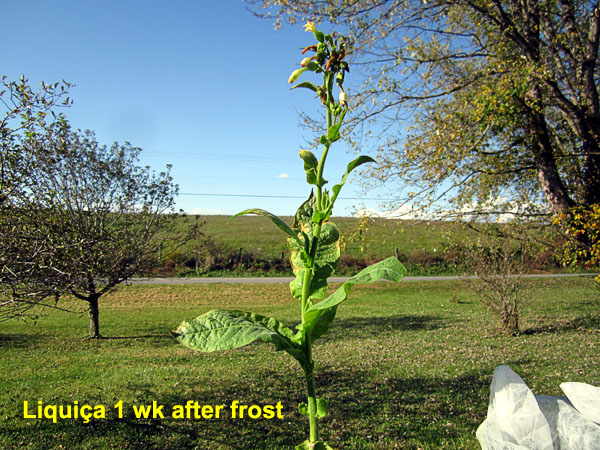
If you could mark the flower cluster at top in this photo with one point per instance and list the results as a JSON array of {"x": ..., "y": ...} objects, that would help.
[{"x": 328, "y": 59}]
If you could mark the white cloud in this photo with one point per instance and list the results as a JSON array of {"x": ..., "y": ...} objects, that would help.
[
  {"x": 283, "y": 175},
  {"x": 498, "y": 211},
  {"x": 406, "y": 212}
]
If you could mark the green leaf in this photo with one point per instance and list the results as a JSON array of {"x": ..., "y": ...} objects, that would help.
[
  {"x": 351, "y": 166},
  {"x": 319, "y": 316},
  {"x": 310, "y": 166},
  {"x": 276, "y": 220},
  {"x": 304, "y": 213},
  {"x": 322, "y": 408},
  {"x": 328, "y": 253},
  {"x": 333, "y": 132},
  {"x": 319, "y": 36},
  {"x": 303, "y": 409},
  {"x": 225, "y": 330},
  {"x": 309, "y": 158},
  {"x": 319, "y": 445},
  {"x": 306, "y": 85}
]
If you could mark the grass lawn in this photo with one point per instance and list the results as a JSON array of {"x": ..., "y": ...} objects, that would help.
[{"x": 404, "y": 366}]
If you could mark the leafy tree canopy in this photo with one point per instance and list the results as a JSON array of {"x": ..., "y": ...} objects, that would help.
[{"x": 491, "y": 105}]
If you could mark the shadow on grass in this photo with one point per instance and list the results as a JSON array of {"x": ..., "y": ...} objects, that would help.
[
  {"x": 393, "y": 412},
  {"x": 566, "y": 325},
  {"x": 20, "y": 340},
  {"x": 374, "y": 326},
  {"x": 144, "y": 336}
]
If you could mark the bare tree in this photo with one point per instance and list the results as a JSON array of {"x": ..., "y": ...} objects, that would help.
[
  {"x": 494, "y": 264},
  {"x": 98, "y": 212}
]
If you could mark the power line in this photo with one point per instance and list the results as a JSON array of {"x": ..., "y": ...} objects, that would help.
[{"x": 275, "y": 196}]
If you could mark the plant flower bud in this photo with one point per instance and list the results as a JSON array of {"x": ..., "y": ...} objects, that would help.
[
  {"x": 296, "y": 74},
  {"x": 343, "y": 98},
  {"x": 306, "y": 61}
]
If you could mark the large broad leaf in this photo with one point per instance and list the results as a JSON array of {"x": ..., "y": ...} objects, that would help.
[
  {"x": 319, "y": 316},
  {"x": 328, "y": 253},
  {"x": 273, "y": 218},
  {"x": 225, "y": 330}
]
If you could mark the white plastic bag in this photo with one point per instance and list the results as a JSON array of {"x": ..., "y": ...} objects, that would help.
[{"x": 519, "y": 420}]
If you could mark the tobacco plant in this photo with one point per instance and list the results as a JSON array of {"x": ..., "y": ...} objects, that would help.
[{"x": 314, "y": 244}]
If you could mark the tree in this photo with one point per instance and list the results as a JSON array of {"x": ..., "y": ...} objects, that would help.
[
  {"x": 28, "y": 116},
  {"x": 582, "y": 229},
  {"x": 500, "y": 97},
  {"x": 102, "y": 212},
  {"x": 494, "y": 266}
]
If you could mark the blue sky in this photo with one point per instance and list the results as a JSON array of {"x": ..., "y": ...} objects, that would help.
[{"x": 201, "y": 85}]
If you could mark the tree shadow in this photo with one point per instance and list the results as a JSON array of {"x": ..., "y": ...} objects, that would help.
[
  {"x": 21, "y": 340},
  {"x": 375, "y": 326},
  {"x": 565, "y": 325}
]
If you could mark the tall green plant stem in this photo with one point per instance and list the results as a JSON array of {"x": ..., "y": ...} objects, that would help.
[
  {"x": 312, "y": 399},
  {"x": 320, "y": 169},
  {"x": 309, "y": 367}
]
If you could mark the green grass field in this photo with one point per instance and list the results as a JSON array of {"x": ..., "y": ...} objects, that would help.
[
  {"x": 382, "y": 238},
  {"x": 263, "y": 249},
  {"x": 405, "y": 365}
]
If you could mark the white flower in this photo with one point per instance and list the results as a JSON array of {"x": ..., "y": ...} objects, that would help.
[{"x": 343, "y": 98}]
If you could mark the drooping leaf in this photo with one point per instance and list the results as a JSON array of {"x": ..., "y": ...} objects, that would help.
[
  {"x": 310, "y": 166},
  {"x": 225, "y": 330},
  {"x": 319, "y": 316},
  {"x": 276, "y": 220}
]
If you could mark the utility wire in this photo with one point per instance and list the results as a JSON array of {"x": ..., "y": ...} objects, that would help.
[{"x": 275, "y": 196}]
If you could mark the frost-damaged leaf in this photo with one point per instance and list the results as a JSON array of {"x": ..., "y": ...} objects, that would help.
[
  {"x": 326, "y": 260},
  {"x": 319, "y": 315},
  {"x": 276, "y": 220},
  {"x": 224, "y": 330},
  {"x": 319, "y": 445},
  {"x": 328, "y": 252}
]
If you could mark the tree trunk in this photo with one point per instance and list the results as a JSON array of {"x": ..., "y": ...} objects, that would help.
[
  {"x": 93, "y": 314},
  {"x": 510, "y": 320},
  {"x": 552, "y": 185}
]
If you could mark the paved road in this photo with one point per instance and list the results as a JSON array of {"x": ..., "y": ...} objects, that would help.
[{"x": 270, "y": 280}]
